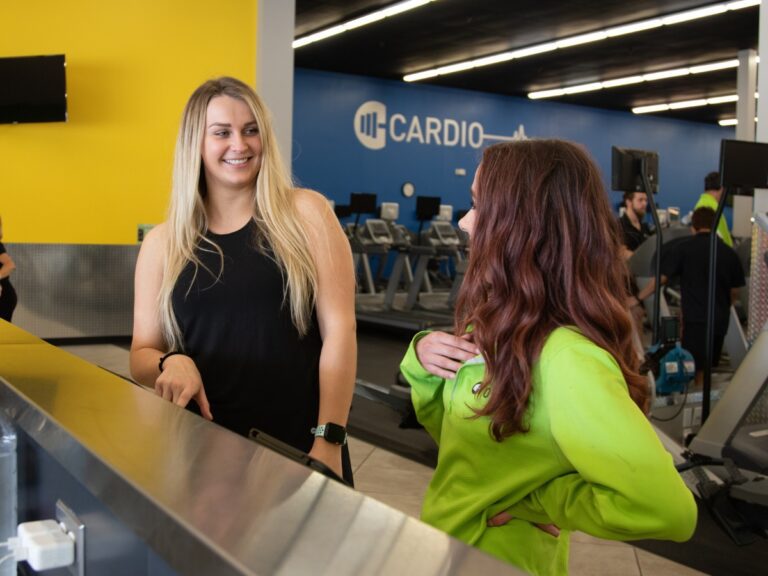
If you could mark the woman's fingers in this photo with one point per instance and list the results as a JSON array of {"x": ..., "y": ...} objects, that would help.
[
  {"x": 441, "y": 365},
  {"x": 446, "y": 346},
  {"x": 180, "y": 383},
  {"x": 462, "y": 346},
  {"x": 202, "y": 402},
  {"x": 441, "y": 372},
  {"x": 442, "y": 354},
  {"x": 550, "y": 529},
  {"x": 455, "y": 352},
  {"x": 503, "y": 517},
  {"x": 500, "y": 519}
]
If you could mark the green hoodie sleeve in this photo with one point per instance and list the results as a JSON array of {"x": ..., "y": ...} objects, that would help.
[
  {"x": 426, "y": 390},
  {"x": 624, "y": 485}
]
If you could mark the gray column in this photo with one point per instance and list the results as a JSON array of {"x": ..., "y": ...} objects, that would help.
[
  {"x": 761, "y": 196},
  {"x": 745, "y": 107},
  {"x": 274, "y": 67},
  {"x": 745, "y": 130}
]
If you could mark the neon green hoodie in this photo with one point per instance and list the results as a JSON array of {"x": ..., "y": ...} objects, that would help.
[{"x": 590, "y": 460}]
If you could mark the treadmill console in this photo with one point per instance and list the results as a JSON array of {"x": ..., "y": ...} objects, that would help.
[
  {"x": 389, "y": 211},
  {"x": 378, "y": 231},
  {"x": 400, "y": 236},
  {"x": 445, "y": 233}
]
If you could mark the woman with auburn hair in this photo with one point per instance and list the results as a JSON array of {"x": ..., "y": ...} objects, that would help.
[
  {"x": 536, "y": 402},
  {"x": 244, "y": 307}
]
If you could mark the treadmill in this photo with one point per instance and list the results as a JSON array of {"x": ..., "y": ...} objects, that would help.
[
  {"x": 391, "y": 312},
  {"x": 362, "y": 246},
  {"x": 442, "y": 236}
]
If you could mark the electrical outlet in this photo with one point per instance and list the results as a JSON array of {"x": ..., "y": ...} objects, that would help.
[
  {"x": 76, "y": 530},
  {"x": 697, "y": 416},
  {"x": 686, "y": 418}
]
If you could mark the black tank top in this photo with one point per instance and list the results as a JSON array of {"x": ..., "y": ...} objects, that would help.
[{"x": 257, "y": 371}]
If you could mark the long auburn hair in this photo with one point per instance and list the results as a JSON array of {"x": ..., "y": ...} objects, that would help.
[
  {"x": 544, "y": 253},
  {"x": 274, "y": 209}
]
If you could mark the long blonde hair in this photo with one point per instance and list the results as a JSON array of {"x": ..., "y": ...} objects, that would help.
[{"x": 274, "y": 210}]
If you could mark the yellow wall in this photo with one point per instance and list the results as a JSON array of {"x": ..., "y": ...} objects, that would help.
[{"x": 131, "y": 65}]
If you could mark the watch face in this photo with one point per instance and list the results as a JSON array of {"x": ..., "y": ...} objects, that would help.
[{"x": 335, "y": 434}]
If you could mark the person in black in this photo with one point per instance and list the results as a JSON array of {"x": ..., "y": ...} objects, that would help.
[
  {"x": 633, "y": 226},
  {"x": 634, "y": 232},
  {"x": 7, "y": 293},
  {"x": 688, "y": 259},
  {"x": 244, "y": 298}
]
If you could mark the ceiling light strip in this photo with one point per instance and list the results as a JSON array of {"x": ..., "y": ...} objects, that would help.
[
  {"x": 650, "y": 77},
  {"x": 392, "y": 10},
  {"x": 723, "y": 99},
  {"x": 730, "y": 121},
  {"x": 595, "y": 36},
  {"x": 687, "y": 104},
  {"x": 651, "y": 108}
]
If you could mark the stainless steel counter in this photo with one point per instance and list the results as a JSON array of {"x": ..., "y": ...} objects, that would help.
[{"x": 203, "y": 499}]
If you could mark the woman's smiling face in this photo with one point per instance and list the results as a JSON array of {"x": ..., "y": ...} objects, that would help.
[{"x": 231, "y": 146}]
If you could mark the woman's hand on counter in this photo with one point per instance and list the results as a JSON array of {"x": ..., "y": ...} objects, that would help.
[
  {"x": 180, "y": 382},
  {"x": 327, "y": 453}
]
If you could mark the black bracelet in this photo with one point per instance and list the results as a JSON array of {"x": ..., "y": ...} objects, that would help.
[{"x": 165, "y": 357}]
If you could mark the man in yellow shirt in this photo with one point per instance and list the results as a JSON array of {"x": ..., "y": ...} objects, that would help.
[{"x": 710, "y": 199}]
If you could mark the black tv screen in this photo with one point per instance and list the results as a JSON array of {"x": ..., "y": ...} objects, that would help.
[
  {"x": 743, "y": 165},
  {"x": 626, "y": 169},
  {"x": 427, "y": 207},
  {"x": 33, "y": 89},
  {"x": 342, "y": 210},
  {"x": 362, "y": 203}
]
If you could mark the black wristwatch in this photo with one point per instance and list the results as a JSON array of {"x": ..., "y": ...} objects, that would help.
[{"x": 332, "y": 433}]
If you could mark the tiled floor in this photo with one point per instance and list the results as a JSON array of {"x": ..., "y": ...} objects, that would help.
[{"x": 400, "y": 483}]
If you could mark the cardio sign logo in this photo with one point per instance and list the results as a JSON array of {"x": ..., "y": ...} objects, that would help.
[
  {"x": 373, "y": 128},
  {"x": 371, "y": 125}
]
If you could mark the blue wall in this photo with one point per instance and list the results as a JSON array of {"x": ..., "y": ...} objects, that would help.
[{"x": 329, "y": 156}]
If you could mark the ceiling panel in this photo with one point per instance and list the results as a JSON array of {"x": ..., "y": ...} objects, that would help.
[{"x": 447, "y": 31}]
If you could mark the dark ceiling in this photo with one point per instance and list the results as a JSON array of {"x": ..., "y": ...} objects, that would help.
[{"x": 448, "y": 31}]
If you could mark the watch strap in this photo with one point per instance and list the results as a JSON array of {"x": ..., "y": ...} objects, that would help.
[
  {"x": 333, "y": 433},
  {"x": 165, "y": 357}
]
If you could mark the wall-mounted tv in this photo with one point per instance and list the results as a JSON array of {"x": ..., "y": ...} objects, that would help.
[
  {"x": 33, "y": 89},
  {"x": 626, "y": 173},
  {"x": 743, "y": 166},
  {"x": 427, "y": 207},
  {"x": 362, "y": 203}
]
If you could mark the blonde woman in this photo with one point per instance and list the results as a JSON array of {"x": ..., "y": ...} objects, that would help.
[{"x": 244, "y": 297}]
